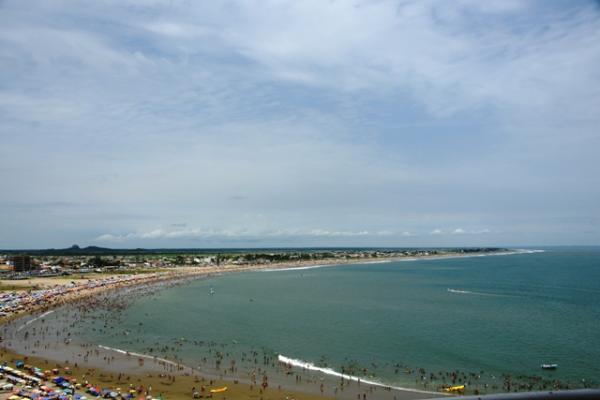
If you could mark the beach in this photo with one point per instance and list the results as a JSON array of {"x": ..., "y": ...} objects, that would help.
[
  {"x": 29, "y": 307},
  {"x": 60, "y": 337}
]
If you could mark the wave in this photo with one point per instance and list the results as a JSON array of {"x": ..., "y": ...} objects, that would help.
[
  {"x": 328, "y": 371},
  {"x": 131, "y": 353},
  {"x": 295, "y": 268},
  {"x": 377, "y": 262},
  {"x": 34, "y": 319}
]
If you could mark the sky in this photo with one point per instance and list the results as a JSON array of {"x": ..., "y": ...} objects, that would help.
[{"x": 247, "y": 123}]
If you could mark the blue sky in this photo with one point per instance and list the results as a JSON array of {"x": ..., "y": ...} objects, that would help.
[{"x": 286, "y": 123}]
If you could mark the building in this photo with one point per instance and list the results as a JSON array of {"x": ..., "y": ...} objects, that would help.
[{"x": 21, "y": 263}]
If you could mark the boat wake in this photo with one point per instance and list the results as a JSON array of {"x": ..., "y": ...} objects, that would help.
[
  {"x": 459, "y": 291},
  {"x": 328, "y": 371}
]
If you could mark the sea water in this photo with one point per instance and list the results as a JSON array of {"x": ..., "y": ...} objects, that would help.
[{"x": 488, "y": 316}]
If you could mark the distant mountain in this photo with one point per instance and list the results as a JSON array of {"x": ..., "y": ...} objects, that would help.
[{"x": 74, "y": 250}]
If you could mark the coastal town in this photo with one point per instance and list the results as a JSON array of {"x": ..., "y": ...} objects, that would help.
[{"x": 15, "y": 265}]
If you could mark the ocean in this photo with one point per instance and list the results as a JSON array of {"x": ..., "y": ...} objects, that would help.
[{"x": 396, "y": 323}]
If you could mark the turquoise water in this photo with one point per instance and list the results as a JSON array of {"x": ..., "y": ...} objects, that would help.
[{"x": 503, "y": 314}]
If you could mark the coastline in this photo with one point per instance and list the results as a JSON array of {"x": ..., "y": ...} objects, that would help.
[
  {"x": 114, "y": 282},
  {"x": 185, "y": 274}
]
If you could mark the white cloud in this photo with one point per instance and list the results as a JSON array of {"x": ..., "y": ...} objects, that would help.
[
  {"x": 285, "y": 116},
  {"x": 233, "y": 234}
]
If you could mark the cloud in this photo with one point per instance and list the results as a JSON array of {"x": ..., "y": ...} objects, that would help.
[
  {"x": 382, "y": 121},
  {"x": 196, "y": 234}
]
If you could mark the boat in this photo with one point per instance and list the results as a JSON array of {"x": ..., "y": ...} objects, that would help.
[
  {"x": 219, "y": 390},
  {"x": 458, "y": 388},
  {"x": 549, "y": 366},
  {"x": 212, "y": 291}
]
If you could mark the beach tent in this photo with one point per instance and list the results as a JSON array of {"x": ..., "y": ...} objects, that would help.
[
  {"x": 58, "y": 380},
  {"x": 68, "y": 390},
  {"x": 19, "y": 364}
]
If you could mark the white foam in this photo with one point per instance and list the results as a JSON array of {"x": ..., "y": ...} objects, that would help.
[
  {"x": 131, "y": 353},
  {"x": 526, "y": 251},
  {"x": 34, "y": 319},
  {"x": 296, "y": 268},
  {"x": 329, "y": 371},
  {"x": 376, "y": 262}
]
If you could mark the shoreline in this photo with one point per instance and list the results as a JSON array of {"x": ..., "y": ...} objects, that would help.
[
  {"x": 191, "y": 273},
  {"x": 118, "y": 281}
]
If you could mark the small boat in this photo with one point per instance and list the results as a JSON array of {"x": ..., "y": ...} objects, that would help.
[
  {"x": 212, "y": 291},
  {"x": 458, "y": 388},
  {"x": 219, "y": 390},
  {"x": 549, "y": 366}
]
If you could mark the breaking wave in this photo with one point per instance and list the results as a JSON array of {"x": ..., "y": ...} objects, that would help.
[
  {"x": 328, "y": 371},
  {"x": 34, "y": 319},
  {"x": 296, "y": 268}
]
